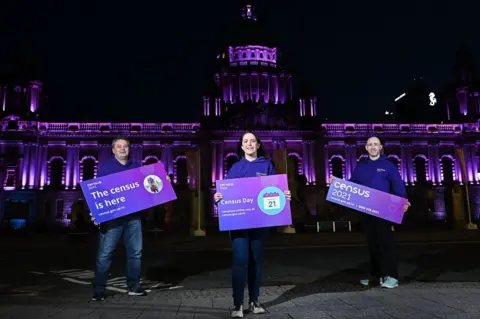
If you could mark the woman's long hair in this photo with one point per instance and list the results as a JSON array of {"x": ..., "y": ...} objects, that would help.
[{"x": 260, "y": 151}]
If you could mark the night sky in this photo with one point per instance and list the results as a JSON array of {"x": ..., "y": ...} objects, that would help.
[{"x": 153, "y": 60}]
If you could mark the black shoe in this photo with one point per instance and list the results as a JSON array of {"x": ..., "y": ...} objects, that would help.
[
  {"x": 137, "y": 292},
  {"x": 98, "y": 298}
]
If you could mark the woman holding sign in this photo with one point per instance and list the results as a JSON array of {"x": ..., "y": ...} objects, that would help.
[{"x": 248, "y": 244}]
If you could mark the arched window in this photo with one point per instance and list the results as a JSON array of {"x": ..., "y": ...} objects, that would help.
[
  {"x": 56, "y": 172},
  {"x": 292, "y": 162},
  {"x": 88, "y": 168},
  {"x": 150, "y": 160},
  {"x": 337, "y": 167},
  {"x": 396, "y": 161},
  {"x": 295, "y": 160},
  {"x": 447, "y": 170},
  {"x": 420, "y": 166},
  {"x": 362, "y": 158},
  {"x": 229, "y": 161}
]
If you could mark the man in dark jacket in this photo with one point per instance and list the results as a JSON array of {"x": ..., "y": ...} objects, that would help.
[
  {"x": 379, "y": 173},
  {"x": 111, "y": 231}
]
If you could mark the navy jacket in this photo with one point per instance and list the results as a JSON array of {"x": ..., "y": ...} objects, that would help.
[
  {"x": 261, "y": 166},
  {"x": 381, "y": 175},
  {"x": 112, "y": 166}
]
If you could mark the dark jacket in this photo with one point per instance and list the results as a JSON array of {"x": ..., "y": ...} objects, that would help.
[
  {"x": 381, "y": 175},
  {"x": 112, "y": 166},
  {"x": 261, "y": 166}
]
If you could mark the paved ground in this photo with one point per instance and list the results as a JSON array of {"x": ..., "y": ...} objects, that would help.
[{"x": 439, "y": 280}]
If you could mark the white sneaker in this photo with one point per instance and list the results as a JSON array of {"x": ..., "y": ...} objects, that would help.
[
  {"x": 237, "y": 312},
  {"x": 366, "y": 282},
  {"x": 255, "y": 308},
  {"x": 390, "y": 283}
]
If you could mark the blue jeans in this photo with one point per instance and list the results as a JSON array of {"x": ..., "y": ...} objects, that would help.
[
  {"x": 247, "y": 246},
  {"x": 132, "y": 238}
]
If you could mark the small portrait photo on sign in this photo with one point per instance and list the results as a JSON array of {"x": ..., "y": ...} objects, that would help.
[{"x": 153, "y": 184}]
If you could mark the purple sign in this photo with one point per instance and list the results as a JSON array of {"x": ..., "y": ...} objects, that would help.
[
  {"x": 367, "y": 200},
  {"x": 127, "y": 192},
  {"x": 253, "y": 202}
]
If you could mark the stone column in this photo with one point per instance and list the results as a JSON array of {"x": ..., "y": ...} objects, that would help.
[
  {"x": 220, "y": 160},
  {"x": 167, "y": 157},
  {"x": 170, "y": 158},
  {"x": 104, "y": 152},
  {"x": 25, "y": 165},
  {"x": 328, "y": 173},
  {"x": 431, "y": 164},
  {"x": 42, "y": 166},
  {"x": 470, "y": 162},
  {"x": 2, "y": 171},
  {"x": 70, "y": 165},
  {"x": 306, "y": 161},
  {"x": 32, "y": 168},
  {"x": 458, "y": 168},
  {"x": 348, "y": 161},
  {"x": 75, "y": 166},
  {"x": 313, "y": 173},
  {"x": 19, "y": 171},
  {"x": 351, "y": 159},
  {"x": 213, "y": 145},
  {"x": 436, "y": 163},
  {"x": 476, "y": 160},
  {"x": 407, "y": 168}
]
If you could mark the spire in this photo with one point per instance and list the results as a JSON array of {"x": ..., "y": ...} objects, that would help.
[{"x": 248, "y": 12}]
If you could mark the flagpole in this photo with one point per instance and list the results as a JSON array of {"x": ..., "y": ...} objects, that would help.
[
  {"x": 199, "y": 231},
  {"x": 470, "y": 225},
  {"x": 290, "y": 229}
]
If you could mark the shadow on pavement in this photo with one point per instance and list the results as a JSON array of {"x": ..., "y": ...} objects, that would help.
[
  {"x": 190, "y": 264},
  {"x": 432, "y": 265}
]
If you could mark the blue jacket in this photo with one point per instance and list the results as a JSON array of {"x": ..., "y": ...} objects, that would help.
[
  {"x": 381, "y": 175},
  {"x": 112, "y": 166},
  {"x": 259, "y": 167}
]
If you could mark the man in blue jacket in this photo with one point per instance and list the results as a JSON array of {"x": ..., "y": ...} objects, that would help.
[
  {"x": 111, "y": 231},
  {"x": 379, "y": 173}
]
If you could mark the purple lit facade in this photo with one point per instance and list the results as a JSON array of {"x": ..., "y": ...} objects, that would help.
[{"x": 42, "y": 163}]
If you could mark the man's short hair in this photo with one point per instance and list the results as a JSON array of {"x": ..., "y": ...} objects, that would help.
[{"x": 118, "y": 138}]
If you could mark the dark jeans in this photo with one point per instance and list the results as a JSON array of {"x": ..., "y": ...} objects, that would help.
[
  {"x": 132, "y": 238},
  {"x": 383, "y": 255},
  {"x": 247, "y": 246}
]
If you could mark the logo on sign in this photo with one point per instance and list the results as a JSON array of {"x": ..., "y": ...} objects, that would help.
[
  {"x": 153, "y": 184},
  {"x": 271, "y": 200},
  {"x": 343, "y": 190}
]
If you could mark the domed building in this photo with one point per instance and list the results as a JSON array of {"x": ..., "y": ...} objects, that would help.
[{"x": 42, "y": 162}]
